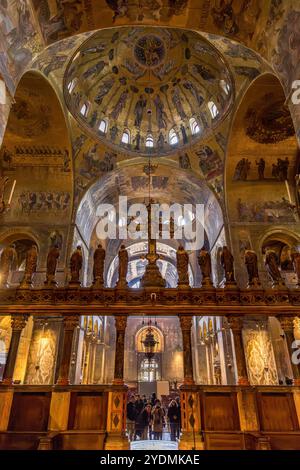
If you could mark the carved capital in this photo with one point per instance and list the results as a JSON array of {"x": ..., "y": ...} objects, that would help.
[
  {"x": 121, "y": 322},
  {"x": 18, "y": 322},
  {"x": 186, "y": 322},
  {"x": 286, "y": 322},
  {"x": 235, "y": 322},
  {"x": 71, "y": 322}
]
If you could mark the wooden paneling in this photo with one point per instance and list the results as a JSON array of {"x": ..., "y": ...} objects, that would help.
[
  {"x": 223, "y": 441},
  {"x": 220, "y": 412},
  {"x": 281, "y": 441},
  {"x": 79, "y": 440},
  {"x": 88, "y": 411},
  {"x": 19, "y": 441},
  {"x": 277, "y": 412},
  {"x": 29, "y": 412}
]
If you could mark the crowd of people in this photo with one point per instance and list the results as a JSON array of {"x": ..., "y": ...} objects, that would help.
[{"x": 148, "y": 418}]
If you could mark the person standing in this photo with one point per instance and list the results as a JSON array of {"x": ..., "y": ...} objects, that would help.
[
  {"x": 157, "y": 421},
  {"x": 177, "y": 399},
  {"x": 131, "y": 417},
  {"x": 142, "y": 422},
  {"x": 173, "y": 419}
]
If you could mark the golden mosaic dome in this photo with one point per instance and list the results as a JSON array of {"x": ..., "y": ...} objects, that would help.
[{"x": 148, "y": 90}]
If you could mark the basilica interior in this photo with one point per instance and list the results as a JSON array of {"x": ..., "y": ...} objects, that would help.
[{"x": 188, "y": 102}]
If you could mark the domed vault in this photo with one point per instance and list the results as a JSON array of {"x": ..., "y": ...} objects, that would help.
[{"x": 148, "y": 90}]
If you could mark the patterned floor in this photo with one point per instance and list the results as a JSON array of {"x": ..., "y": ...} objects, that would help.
[
  {"x": 151, "y": 444},
  {"x": 154, "y": 445}
]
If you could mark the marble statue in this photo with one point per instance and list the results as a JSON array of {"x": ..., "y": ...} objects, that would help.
[
  {"x": 204, "y": 261},
  {"x": 123, "y": 267},
  {"x": 30, "y": 266},
  {"x": 251, "y": 265},
  {"x": 76, "y": 265},
  {"x": 182, "y": 266},
  {"x": 8, "y": 261},
  {"x": 98, "y": 267},
  {"x": 52, "y": 259},
  {"x": 227, "y": 263},
  {"x": 272, "y": 266}
]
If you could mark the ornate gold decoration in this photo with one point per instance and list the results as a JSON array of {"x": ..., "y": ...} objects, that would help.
[
  {"x": 259, "y": 354},
  {"x": 71, "y": 322},
  {"x": 18, "y": 322},
  {"x": 270, "y": 121}
]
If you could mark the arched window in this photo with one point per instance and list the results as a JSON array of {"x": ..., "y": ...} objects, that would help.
[
  {"x": 103, "y": 126},
  {"x": 194, "y": 126},
  {"x": 149, "y": 370},
  {"x": 225, "y": 86},
  {"x": 213, "y": 109},
  {"x": 173, "y": 138},
  {"x": 72, "y": 84},
  {"x": 149, "y": 141},
  {"x": 84, "y": 109},
  {"x": 125, "y": 137}
]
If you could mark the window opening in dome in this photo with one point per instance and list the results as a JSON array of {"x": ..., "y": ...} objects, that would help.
[
  {"x": 126, "y": 138},
  {"x": 173, "y": 138},
  {"x": 195, "y": 128}
]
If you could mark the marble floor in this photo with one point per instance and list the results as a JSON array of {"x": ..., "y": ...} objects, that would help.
[
  {"x": 151, "y": 444},
  {"x": 154, "y": 445}
]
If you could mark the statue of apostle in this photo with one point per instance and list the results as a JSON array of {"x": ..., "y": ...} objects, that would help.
[
  {"x": 182, "y": 267},
  {"x": 76, "y": 265},
  {"x": 272, "y": 266},
  {"x": 252, "y": 269},
  {"x": 30, "y": 266},
  {"x": 204, "y": 261},
  {"x": 123, "y": 266},
  {"x": 8, "y": 260},
  {"x": 52, "y": 260},
  {"x": 98, "y": 267},
  {"x": 227, "y": 263}
]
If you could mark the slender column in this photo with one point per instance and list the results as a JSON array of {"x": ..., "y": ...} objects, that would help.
[
  {"x": 18, "y": 323},
  {"x": 236, "y": 325},
  {"x": 121, "y": 322},
  {"x": 70, "y": 322},
  {"x": 86, "y": 362},
  {"x": 287, "y": 324},
  {"x": 92, "y": 360},
  {"x": 186, "y": 325}
]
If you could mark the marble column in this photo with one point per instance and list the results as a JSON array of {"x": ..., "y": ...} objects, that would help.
[
  {"x": 18, "y": 323},
  {"x": 186, "y": 325},
  {"x": 287, "y": 325},
  {"x": 236, "y": 326},
  {"x": 70, "y": 323},
  {"x": 120, "y": 322}
]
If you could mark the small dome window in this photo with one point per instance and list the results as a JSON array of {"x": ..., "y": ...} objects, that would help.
[
  {"x": 225, "y": 86},
  {"x": 84, "y": 109},
  {"x": 72, "y": 84},
  {"x": 125, "y": 137},
  {"x": 149, "y": 141},
  {"x": 195, "y": 128},
  {"x": 103, "y": 126},
  {"x": 173, "y": 137},
  {"x": 213, "y": 109}
]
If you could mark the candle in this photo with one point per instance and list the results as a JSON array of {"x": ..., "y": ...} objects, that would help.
[{"x": 12, "y": 192}]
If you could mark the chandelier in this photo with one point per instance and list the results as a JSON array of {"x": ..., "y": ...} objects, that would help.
[{"x": 149, "y": 342}]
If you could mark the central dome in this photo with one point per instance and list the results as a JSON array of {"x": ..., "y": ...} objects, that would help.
[{"x": 148, "y": 90}]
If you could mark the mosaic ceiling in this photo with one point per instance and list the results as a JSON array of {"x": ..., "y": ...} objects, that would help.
[{"x": 148, "y": 90}]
